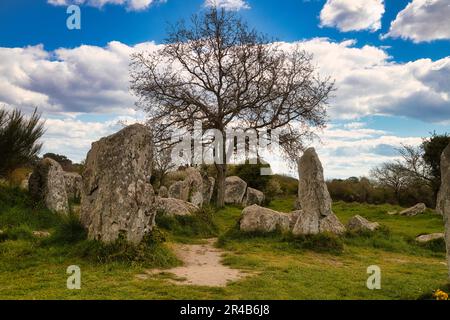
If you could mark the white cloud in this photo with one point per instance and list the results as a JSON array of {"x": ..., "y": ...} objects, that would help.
[
  {"x": 351, "y": 15},
  {"x": 422, "y": 21},
  {"x": 233, "y": 5},
  {"x": 86, "y": 79},
  {"x": 134, "y": 5},
  {"x": 369, "y": 83},
  {"x": 90, "y": 82}
]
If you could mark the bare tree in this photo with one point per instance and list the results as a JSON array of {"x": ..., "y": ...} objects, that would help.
[
  {"x": 391, "y": 175},
  {"x": 219, "y": 71}
]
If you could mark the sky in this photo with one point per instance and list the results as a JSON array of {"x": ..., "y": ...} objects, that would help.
[{"x": 390, "y": 60}]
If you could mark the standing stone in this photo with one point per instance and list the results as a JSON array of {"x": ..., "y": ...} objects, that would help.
[
  {"x": 47, "y": 184},
  {"x": 163, "y": 192},
  {"x": 74, "y": 184},
  {"x": 443, "y": 200},
  {"x": 316, "y": 214},
  {"x": 194, "y": 180},
  {"x": 117, "y": 197},
  {"x": 179, "y": 190},
  {"x": 208, "y": 189},
  {"x": 235, "y": 189},
  {"x": 253, "y": 196}
]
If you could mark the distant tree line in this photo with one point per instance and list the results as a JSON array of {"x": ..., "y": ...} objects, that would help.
[{"x": 414, "y": 177}]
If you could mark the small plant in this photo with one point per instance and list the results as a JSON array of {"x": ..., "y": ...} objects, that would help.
[
  {"x": 440, "y": 295},
  {"x": 321, "y": 242},
  {"x": 199, "y": 225}
]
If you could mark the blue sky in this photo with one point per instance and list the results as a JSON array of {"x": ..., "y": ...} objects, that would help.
[{"x": 390, "y": 59}]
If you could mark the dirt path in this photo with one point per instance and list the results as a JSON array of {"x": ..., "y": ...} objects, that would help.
[{"x": 202, "y": 266}]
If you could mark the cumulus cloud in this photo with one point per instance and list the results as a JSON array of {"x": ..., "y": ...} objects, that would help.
[
  {"x": 422, "y": 21},
  {"x": 91, "y": 79},
  {"x": 134, "y": 5},
  {"x": 351, "y": 15},
  {"x": 72, "y": 85},
  {"x": 233, "y": 5},
  {"x": 86, "y": 79},
  {"x": 369, "y": 83}
]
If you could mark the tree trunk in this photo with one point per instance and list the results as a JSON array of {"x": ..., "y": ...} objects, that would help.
[{"x": 221, "y": 175}]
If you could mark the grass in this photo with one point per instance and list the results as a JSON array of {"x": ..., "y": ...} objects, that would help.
[{"x": 281, "y": 267}]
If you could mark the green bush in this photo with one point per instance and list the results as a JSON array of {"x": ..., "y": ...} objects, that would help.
[
  {"x": 151, "y": 252},
  {"x": 68, "y": 231},
  {"x": 322, "y": 242},
  {"x": 198, "y": 225}
]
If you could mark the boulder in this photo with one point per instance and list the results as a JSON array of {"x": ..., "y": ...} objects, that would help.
[
  {"x": 414, "y": 211},
  {"x": 175, "y": 207},
  {"x": 443, "y": 200},
  {"x": 117, "y": 198},
  {"x": 163, "y": 192},
  {"x": 179, "y": 190},
  {"x": 74, "y": 184},
  {"x": 429, "y": 237},
  {"x": 47, "y": 184},
  {"x": 358, "y": 223},
  {"x": 260, "y": 219},
  {"x": 316, "y": 214},
  {"x": 253, "y": 196},
  {"x": 235, "y": 189}
]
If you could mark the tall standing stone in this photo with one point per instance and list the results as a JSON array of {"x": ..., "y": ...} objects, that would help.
[
  {"x": 47, "y": 184},
  {"x": 443, "y": 200},
  {"x": 314, "y": 199},
  {"x": 117, "y": 197},
  {"x": 235, "y": 189}
]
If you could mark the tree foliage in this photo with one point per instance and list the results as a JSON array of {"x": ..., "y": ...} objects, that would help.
[{"x": 19, "y": 139}]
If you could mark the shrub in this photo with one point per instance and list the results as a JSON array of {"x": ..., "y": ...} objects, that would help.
[
  {"x": 18, "y": 139},
  {"x": 151, "y": 252},
  {"x": 68, "y": 231},
  {"x": 321, "y": 242},
  {"x": 199, "y": 225}
]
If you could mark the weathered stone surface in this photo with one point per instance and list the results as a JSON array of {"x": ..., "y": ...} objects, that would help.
[
  {"x": 293, "y": 217},
  {"x": 235, "y": 189},
  {"x": 175, "y": 207},
  {"x": 260, "y": 219},
  {"x": 179, "y": 190},
  {"x": 414, "y": 211},
  {"x": 195, "y": 182},
  {"x": 253, "y": 196},
  {"x": 163, "y": 192},
  {"x": 314, "y": 199},
  {"x": 47, "y": 184},
  {"x": 74, "y": 183},
  {"x": 208, "y": 189},
  {"x": 117, "y": 197},
  {"x": 443, "y": 200},
  {"x": 429, "y": 237},
  {"x": 190, "y": 189},
  {"x": 358, "y": 223}
]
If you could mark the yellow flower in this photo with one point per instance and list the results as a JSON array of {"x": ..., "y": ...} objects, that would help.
[{"x": 440, "y": 295}]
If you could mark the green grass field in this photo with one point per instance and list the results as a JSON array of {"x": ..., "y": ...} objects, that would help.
[{"x": 283, "y": 268}]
